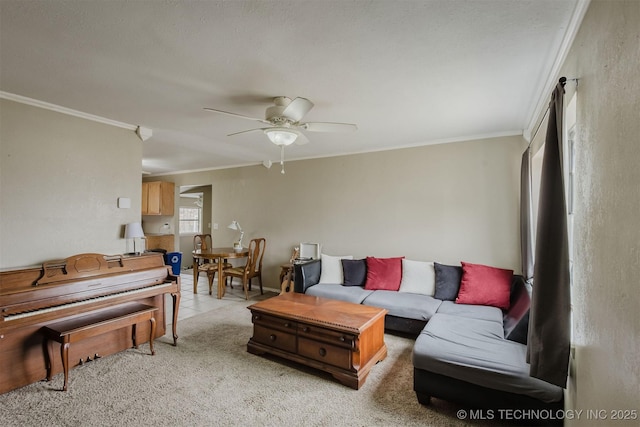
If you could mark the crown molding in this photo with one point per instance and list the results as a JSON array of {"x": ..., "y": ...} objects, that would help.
[
  {"x": 64, "y": 110},
  {"x": 552, "y": 79},
  {"x": 467, "y": 138}
]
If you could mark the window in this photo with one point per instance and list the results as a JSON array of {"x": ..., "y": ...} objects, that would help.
[
  {"x": 568, "y": 168},
  {"x": 190, "y": 220},
  {"x": 570, "y": 123}
]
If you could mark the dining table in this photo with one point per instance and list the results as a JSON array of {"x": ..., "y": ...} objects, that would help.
[{"x": 219, "y": 255}]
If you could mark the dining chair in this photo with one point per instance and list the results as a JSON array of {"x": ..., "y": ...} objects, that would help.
[
  {"x": 253, "y": 267},
  {"x": 209, "y": 266},
  {"x": 202, "y": 241}
]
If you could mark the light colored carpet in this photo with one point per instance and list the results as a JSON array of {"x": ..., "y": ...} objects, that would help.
[{"x": 209, "y": 379}]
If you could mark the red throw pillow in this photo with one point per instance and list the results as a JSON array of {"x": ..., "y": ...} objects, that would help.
[
  {"x": 484, "y": 285},
  {"x": 383, "y": 273}
]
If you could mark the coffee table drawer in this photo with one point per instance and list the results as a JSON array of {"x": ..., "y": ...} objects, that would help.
[
  {"x": 336, "y": 356},
  {"x": 274, "y": 338},
  {"x": 275, "y": 322},
  {"x": 323, "y": 334}
]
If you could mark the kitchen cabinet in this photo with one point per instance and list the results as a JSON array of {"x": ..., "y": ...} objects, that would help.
[
  {"x": 160, "y": 241},
  {"x": 158, "y": 198}
]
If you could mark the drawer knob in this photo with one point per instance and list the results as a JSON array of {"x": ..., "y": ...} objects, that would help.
[
  {"x": 342, "y": 339},
  {"x": 256, "y": 317},
  {"x": 272, "y": 337},
  {"x": 305, "y": 329},
  {"x": 287, "y": 325},
  {"x": 322, "y": 352}
]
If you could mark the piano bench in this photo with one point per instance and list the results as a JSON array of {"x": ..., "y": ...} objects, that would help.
[{"x": 76, "y": 329}]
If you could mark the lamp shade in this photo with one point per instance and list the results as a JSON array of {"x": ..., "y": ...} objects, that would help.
[
  {"x": 281, "y": 136},
  {"x": 235, "y": 226},
  {"x": 133, "y": 230}
]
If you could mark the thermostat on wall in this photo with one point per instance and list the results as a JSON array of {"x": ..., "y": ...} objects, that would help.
[{"x": 124, "y": 202}]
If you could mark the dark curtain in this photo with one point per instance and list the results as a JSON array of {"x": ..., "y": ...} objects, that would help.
[
  {"x": 526, "y": 232},
  {"x": 549, "y": 324}
]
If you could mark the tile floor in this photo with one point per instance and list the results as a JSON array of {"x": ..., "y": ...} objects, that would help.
[{"x": 193, "y": 304}]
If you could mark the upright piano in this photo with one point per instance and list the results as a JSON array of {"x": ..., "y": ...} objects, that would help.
[{"x": 31, "y": 298}]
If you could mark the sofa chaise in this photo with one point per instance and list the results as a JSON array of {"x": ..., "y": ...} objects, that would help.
[{"x": 469, "y": 349}]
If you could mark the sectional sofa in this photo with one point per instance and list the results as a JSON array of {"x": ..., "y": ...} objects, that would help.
[{"x": 470, "y": 324}]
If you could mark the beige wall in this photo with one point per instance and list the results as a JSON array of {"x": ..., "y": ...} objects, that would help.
[
  {"x": 447, "y": 202},
  {"x": 606, "y": 303},
  {"x": 60, "y": 179}
]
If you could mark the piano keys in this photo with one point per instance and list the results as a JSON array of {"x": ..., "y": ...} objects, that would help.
[
  {"x": 112, "y": 298},
  {"x": 30, "y": 298}
]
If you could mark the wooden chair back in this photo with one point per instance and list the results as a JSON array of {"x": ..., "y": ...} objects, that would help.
[
  {"x": 202, "y": 241},
  {"x": 256, "y": 253}
]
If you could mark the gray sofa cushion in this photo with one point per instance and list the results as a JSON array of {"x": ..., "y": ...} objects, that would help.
[
  {"x": 404, "y": 304},
  {"x": 480, "y": 312},
  {"x": 354, "y": 294},
  {"x": 475, "y": 351}
]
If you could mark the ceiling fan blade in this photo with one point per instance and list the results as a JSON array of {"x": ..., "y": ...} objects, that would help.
[
  {"x": 247, "y": 131},
  {"x": 237, "y": 115},
  {"x": 297, "y": 109},
  {"x": 329, "y": 127},
  {"x": 301, "y": 139}
]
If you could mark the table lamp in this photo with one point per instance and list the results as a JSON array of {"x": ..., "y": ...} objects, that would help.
[
  {"x": 133, "y": 230},
  {"x": 236, "y": 226}
]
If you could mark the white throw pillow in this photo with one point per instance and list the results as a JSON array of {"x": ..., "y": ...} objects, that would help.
[
  {"x": 418, "y": 277},
  {"x": 331, "y": 270}
]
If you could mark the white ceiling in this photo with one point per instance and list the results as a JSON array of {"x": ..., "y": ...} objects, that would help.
[{"x": 406, "y": 72}]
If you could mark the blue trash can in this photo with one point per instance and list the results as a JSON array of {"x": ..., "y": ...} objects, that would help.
[{"x": 174, "y": 259}]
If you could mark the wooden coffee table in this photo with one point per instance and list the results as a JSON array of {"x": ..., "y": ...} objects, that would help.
[{"x": 341, "y": 338}]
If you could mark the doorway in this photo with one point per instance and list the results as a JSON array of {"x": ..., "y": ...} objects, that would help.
[{"x": 194, "y": 207}]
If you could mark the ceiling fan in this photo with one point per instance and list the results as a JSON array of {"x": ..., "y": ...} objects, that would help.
[{"x": 286, "y": 125}]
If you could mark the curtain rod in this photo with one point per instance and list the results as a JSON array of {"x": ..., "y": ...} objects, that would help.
[{"x": 562, "y": 81}]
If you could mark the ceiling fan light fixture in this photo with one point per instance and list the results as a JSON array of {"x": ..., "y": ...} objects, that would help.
[{"x": 281, "y": 136}]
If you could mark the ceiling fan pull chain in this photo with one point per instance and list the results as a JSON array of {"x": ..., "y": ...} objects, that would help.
[{"x": 282, "y": 159}]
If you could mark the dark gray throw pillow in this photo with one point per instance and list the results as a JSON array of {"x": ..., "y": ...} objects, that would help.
[
  {"x": 516, "y": 319},
  {"x": 447, "y": 281},
  {"x": 519, "y": 332},
  {"x": 354, "y": 272}
]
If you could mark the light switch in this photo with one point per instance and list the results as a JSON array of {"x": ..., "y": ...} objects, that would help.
[
  {"x": 215, "y": 225},
  {"x": 124, "y": 202}
]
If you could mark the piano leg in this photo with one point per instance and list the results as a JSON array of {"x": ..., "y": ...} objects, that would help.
[
  {"x": 176, "y": 305},
  {"x": 152, "y": 335},
  {"x": 48, "y": 349},
  {"x": 64, "y": 353}
]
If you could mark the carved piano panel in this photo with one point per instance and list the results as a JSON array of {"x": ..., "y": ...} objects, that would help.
[{"x": 30, "y": 298}]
